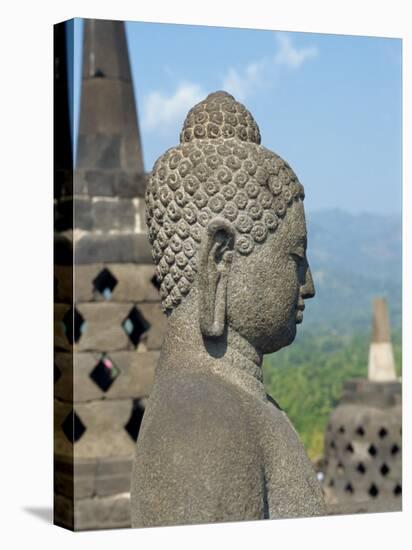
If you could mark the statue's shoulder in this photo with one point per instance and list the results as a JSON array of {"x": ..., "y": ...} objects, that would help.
[
  {"x": 201, "y": 457},
  {"x": 190, "y": 399}
]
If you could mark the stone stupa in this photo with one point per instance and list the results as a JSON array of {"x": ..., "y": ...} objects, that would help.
[
  {"x": 108, "y": 320},
  {"x": 363, "y": 440}
]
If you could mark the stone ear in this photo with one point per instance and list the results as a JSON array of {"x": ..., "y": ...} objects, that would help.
[{"x": 216, "y": 254}]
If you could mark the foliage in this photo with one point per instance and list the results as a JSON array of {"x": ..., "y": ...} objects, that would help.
[{"x": 306, "y": 378}]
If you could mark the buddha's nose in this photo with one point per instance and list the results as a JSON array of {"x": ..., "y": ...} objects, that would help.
[{"x": 308, "y": 288}]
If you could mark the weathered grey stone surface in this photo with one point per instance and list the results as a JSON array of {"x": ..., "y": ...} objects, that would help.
[
  {"x": 100, "y": 228},
  {"x": 105, "y": 434},
  {"x": 134, "y": 282},
  {"x": 117, "y": 247},
  {"x": 363, "y": 441},
  {"x": 60, "y": 338},
  {"x": 113, "y": 140},
  {"x": 63, "y": 283},
  {"x": 134, "y": 381},
  {"x": 92, "y": 513},
  {"x": 363, "y": 448},
  {"x": 90, "y": 477},
  {"x": 110, "y": 512},
  {"x": 109, "y": 183},
  {"x": 104, "y": 327},
  {"x": 227, "y": 225}
]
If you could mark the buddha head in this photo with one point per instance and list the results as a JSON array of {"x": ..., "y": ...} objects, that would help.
[{"x": 227, "y": 226}]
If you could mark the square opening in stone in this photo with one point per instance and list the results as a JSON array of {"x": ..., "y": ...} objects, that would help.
[
  {"x": 104, "y": 373},
  {"x": 73, "y": 325},
  {"x": 395, "y": 449},
  {"x": 349, "y": 488},
  {"x": 57, "y": 373},
  {"x": 373, "y": 491},
  {"x": 135, "y": 325},
  {"x": 361, "y": 468},
  {"x": 385, "y": 469},
  {"x": 397, "y": 491},
  {"x": 383, "y": 432},
  {"x": 349, "y": 448},
  {"x": 133, "y": 424},
  {"x": 372, "y": 450},
  {"x": 73, "y": 428},
  {"x": 105, "y": 283},
  {"x": 155, "y": 282}
]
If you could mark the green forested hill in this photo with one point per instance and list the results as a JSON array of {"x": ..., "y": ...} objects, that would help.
[{"x": 353, "y": 259}]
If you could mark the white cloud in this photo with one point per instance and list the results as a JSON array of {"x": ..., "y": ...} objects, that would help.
[
  {"x": 242, "y": 84},
  {"x": 289, "y": 55},
  {"x": 161, "y": 110},
  {"x": 245, "y": 83}
]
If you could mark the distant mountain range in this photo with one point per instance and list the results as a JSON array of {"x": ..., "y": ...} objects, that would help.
[{"x": 353, "y": 258}]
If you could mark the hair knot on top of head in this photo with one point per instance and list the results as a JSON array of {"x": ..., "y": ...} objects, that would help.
[
  {"x": 220, "y": 115},
  {"x": 219, "y": 170}
]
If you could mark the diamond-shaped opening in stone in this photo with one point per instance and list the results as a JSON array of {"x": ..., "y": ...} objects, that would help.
[
  {"x": 332, "y": 483},
  {"x": 349, "y": 448},
  {"x": 73, "y": 428},
  {"x": 372, "y": 450},
  {"x": 385, "y": 469},
  {"x": 342, "y": 430},
  {"x": 397, "y": 490},
  {"x": 332, "y": 445},
  {"x": 155, "y": 282},
  {"x": 340, "y": 468},
  {"x": 105, "y": 283},
  {"x": 57, "y": 373},
  {"x": 135, "y": 325},
  {"x": 383, "y": 432},
  {"x": 373, "y": 490},
  {"x": 360, "y": 431},
  {"x": 133, "y": 424},
  {"x": 105, "y": 373},
  {"x": 73, "y": 325},
  {"x": 361, "y": 468},
  {"x": 349, "y": 489},
  {"x": 395, "y": 449}
]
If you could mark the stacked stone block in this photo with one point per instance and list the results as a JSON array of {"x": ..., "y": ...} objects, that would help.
[
  {"x": 102, "y": 383},
  {"x": 108, "y": 320}
]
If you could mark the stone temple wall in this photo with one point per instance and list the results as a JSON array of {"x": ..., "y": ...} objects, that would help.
[
  {"x": 363, "y": 449},
  {"x": 108, "y": 320}
]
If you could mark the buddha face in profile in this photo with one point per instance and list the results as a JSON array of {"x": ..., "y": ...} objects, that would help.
[{"x": 227, "y": 226}]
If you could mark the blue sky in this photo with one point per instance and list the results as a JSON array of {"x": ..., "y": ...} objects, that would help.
[{"x": 331, "y": 105}]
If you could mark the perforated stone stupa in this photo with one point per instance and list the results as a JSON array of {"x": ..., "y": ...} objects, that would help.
[
  {"x": 363, "y": 441},
  {"x": 108, "y": 319}
]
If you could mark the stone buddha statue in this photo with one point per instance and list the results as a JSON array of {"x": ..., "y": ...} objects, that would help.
[{"x": 227, "y": 226}]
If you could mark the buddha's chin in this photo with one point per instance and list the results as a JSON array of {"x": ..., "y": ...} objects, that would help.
[{"x": 284, "y": 339}]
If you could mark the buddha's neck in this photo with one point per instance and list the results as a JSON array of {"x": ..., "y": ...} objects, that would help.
[{"x": 231, "y": 356}]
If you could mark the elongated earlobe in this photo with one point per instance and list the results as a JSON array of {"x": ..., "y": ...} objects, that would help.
[{"x": 216, "y": 254}]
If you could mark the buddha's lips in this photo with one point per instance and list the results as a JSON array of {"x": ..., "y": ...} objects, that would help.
[{"x": 299, "y": 313}]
